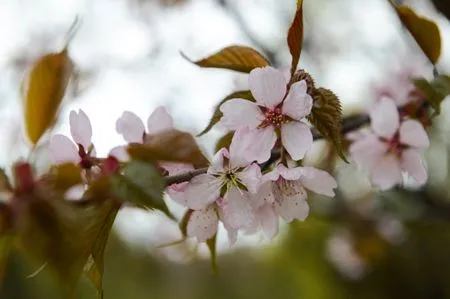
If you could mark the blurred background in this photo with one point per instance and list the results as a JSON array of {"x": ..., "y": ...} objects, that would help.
[{"x": 361, "y": 244}]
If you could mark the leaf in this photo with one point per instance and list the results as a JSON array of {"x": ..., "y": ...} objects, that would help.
[
  {"x": 236, "y": 58},
  {"x": 295, "y": 36},
  {"x": 45, "y": 90},
  {"x": 140, "y": 184},
  {"x": 99, "y": 224},
  {"x": 65, "y": 176},
  {"x": 48, "y": 231},
  {"x": 435, "y": 91},
  {"x": 212, "y": 243},
  {"x": 326, "y": 117},
  {"x": 242, "y": 94},
  {"x": 225, "y": 141},
  {"x": 169, "y": 146},
  {"x": 184, "y": 222},
  {"x": 425, "y": 32}
]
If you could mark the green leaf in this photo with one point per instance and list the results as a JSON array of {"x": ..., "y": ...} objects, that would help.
[
  {"x": 326, "y": 117},
  {"x": 295, "y": 36},
  {"x": 236, "y": 58},
  {"x": 425, "y": 32},
  {"x": 169, "y": 146},
  {"x": 140, "y": 184},
  {"x": 100, "y": 219},
  {"x": 435, "y": 91},
  {"x": 242, "y": 94},
  {"x": 224, "y": 141},
  {"x": 45, "y": 88},
  {"x": 212, "y": 244},
  {"x": 184, "y": 222}
]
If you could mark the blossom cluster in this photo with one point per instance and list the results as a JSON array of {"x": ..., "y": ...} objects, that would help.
[
  {"x": 241, "y": 188},
  {"x": 235, "y": 190}
]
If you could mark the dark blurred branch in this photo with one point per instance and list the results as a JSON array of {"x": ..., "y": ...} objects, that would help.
[
  {"x": 236, "y": 15},
  {"x": 349, "y": 123},
  {"x": 443, "y": 6}
]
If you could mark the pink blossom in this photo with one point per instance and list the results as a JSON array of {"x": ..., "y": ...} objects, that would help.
[
  {"x": 131, "y": 127},
  {"x": 203, "y": 224},
  {"x": 277, "y": 112},
  {"x": 81, "y": 149},
  {"x": 283, "y": 193},
  {"x": 229, "y": 178},
  {"x": 390, "y": 147}
]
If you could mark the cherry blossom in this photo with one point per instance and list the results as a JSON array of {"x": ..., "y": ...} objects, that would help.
[
  {"x": 131, "y": 127},
  {"x": 80, "y": 150},
  {"x": 277, "y": 112},
  {"x": 390, "y": 147},
  {"x": 203, "y": 224},
  {"x": 229, "y": 181},
  {"x": 283, "y": 193}
]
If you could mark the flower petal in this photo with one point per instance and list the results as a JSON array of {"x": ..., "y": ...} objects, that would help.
[
  {"x": 237, "y": 209},
  {"x": 176, "y": 193},
  {"x": 412, "y": 163},
  {"x": 240, "y": 113},
  {"x": 217, "y": 162},
  {"x": 412, "y": 133},
  {"x": 202, "y": 190},
  {"x": 63, "y": 150},
  {"x": 367, "y": 151},
  {"x": 176, "y": 168},
  {"x": 291, "y": 205},
  {"x": 80, "y": 128},
  {"x": 385, "y": 119},
  {"x": 238, "y": 149},
  {"x": 268, "y": 86},
  {"x": 387, "y": 173},
  {"x": 131, "y": 127},
  {"x": 203, "y": 224},
  {"x": 268, "y": 220},
  {"x": 290, "y": 174},
  {"x": 260, "y": 143},
  {"x": 318, "y": 181},
  {"x": 298, "y": 103},
  {"x": 120, "y": 153},
  {"x": 251, "y": 177},
  {"x": 297, "y": 139},
  {"x": 159, "y": 121}
]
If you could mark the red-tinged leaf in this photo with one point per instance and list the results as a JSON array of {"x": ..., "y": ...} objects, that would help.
[
  {"x": 326, "y": 117},
  {"x": 236, "y": 58},
  {"x": 295, "y": 36},
  {"x": 425, "y": 32},
  {"x": 212, "y": 246},
  {"x": 44, "y": 90},
  {"x": 242, "y": 94},
  {"x": 48, "y": 231},
  {"x": 170, "y": 146}
]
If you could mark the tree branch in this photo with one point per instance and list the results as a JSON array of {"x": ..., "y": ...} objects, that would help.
[{"x": 349, "y": 123}]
